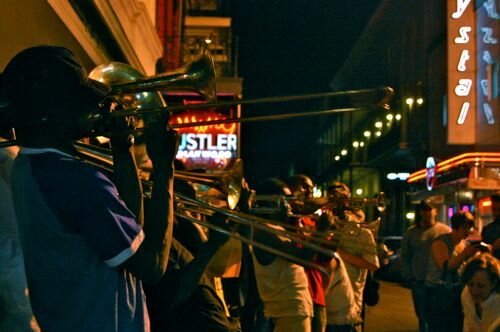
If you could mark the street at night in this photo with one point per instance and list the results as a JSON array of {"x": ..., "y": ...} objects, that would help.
[{"x": 249, "y": 166}]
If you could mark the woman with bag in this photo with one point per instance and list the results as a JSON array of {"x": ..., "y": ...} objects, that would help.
[{"x": 448, "y": 252}]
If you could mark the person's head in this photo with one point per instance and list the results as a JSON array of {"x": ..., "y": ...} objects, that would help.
[
  {"x": 339, "y": 194},
  {"x": 301, "y": 186},
  {"x": 274, "y": 186},
  {"x": 481, "y": 275},
  {"x": 49, "y": 94},
  {"x": 495, "y": 205},
  {"x": 425, "y": 213},
  {"x": 462, "y": 223}
]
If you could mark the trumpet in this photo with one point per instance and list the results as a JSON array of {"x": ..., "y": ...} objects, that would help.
[{"x": 379, "y": 202}]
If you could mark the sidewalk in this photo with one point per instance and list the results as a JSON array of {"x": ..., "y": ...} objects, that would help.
[{"x": 394, "y": 312}]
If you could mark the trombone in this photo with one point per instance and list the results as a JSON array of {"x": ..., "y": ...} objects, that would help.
[
  {"x": 101, "y": 159},
  {"x": 139, "y": 96}
]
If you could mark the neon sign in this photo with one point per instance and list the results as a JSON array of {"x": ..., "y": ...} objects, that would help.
[
  {"x": 487, "y": 49},
  {"x": 430, "y": 173},
  {"x": 209, "y": 146},
  {"x": 461, "y": 73}
]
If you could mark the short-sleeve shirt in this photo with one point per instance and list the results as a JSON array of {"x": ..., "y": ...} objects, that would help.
[
  {"x": 362, "y": 244},
  {"x": 416, "y": 248},
  {"x": 75, "y": 232}
]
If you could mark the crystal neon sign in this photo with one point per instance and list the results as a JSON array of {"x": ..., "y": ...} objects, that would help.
[
  {"x": 461, "y": 76},
  {"x": 487, "y": 16}
]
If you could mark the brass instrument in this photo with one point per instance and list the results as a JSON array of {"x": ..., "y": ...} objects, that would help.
[
  {"x": 197, "y": 76},
  {"x": 383, "y": 97},
  {"x": 101, "y": 159},
  {"x": 344, "y": 233},
  {"x": 131, "y": 89},
  {"x": 316, "y": 241},
  {"x": 265, "y": 204},
  {"x": 379, "y": 202},
  {"x": 341, "y": 230},
  {"x": 139, "y": 96},
  {"x": 252, "y": 221},
  {"x": 228, "y": 182}
]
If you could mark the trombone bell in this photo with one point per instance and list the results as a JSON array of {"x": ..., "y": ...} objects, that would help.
[{"x": 228, "y": 182}]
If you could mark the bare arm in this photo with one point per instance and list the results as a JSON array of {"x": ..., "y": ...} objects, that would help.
[
  {"x": 191, "y": 274},
  {"x": 440, "y": 255},
  {"x": 270, "y": 239},
  {"x": 150, "y": 261}
]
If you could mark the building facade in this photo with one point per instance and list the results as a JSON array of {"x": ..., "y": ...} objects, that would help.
[{"x": 441, "y": 58}]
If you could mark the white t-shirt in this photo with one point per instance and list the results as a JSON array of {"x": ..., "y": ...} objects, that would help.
[{"x": 490, "y": 317}]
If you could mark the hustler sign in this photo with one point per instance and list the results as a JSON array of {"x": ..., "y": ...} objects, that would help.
[{"x": 208, "y": 146}]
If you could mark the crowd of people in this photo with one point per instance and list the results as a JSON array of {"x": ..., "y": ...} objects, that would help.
[
  {"x": 84, "y": 249},
  {"x": 454, "y": 281}
]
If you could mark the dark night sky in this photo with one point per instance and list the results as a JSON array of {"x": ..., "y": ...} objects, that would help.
[{"x": 288, "y": 48}]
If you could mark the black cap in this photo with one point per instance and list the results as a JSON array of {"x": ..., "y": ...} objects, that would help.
[
  {"x": 48, "y": 84},
  {"x": 425, "y": 204}
]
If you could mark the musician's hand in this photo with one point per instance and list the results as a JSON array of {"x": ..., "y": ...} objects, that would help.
[
  {"x": 217, "y": 238},
  {"x": 246, "y": 197},
  {"x": 325, "y": 221},
  {"x": 121, "y": 137},
  {"x": 162, "y": 143}
]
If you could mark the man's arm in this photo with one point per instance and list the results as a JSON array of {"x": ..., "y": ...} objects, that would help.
[
  {"x": 190, "y": 274},
  {"x": 271, "y": 238},
  {"x": 150, "y": 261},
  {"x": 441, "y": 256}
]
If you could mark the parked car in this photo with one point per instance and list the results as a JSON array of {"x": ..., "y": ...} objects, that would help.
[{"x": 389, "y": 252}]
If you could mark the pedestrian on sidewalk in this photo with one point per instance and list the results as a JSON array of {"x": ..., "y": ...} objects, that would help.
[
  {"x": 415, "y": 252},
  {"x": 448, "y": 252}
]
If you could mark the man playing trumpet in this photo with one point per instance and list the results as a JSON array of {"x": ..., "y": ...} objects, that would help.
[{"x": 358, "y": 248}]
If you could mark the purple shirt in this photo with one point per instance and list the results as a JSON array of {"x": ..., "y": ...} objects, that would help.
[{"x": 75, "y": 232}]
